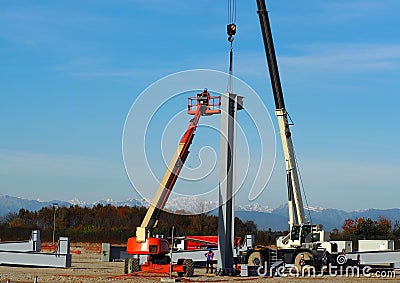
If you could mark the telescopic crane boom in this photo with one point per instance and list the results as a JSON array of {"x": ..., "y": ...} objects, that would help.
[
  {"x": 305, "y": 244},
  {"x": 295, "y": 203}
]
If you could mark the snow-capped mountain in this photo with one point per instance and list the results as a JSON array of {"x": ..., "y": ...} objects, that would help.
[
  {"x": 78, "y": 202},
  {"x": 127, "y": 202},
  {"x": 14, "y": 204},
  {"x": 314, "y": 208},
  {"x": 191, "y": 204},
  {"x": 254, "y": 207},
  {"x": 330, "y": 218}
]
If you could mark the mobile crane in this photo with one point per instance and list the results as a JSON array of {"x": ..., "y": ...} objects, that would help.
[
  {"x": 157, "y": 249},
  {"x": 305, "y": 243}
]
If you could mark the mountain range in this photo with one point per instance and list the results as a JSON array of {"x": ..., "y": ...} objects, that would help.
[
  {"x": 265, "y": 217},
  {"x": 330, "y": 218}
]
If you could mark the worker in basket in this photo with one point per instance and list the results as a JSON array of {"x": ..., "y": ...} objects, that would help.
[{"x": 203, "y": 97}]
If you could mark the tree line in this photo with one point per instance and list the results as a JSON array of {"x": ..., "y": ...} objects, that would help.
[
  {"x": 364, "y": 228},
  {"x": 107, "y": 223}
]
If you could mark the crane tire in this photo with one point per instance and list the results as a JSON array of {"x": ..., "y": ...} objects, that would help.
[
  {"x": 256, "y": 259},
  {"x": 307, "y": 256}
]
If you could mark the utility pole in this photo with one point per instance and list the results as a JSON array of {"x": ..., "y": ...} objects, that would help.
[
  {"x": 55, "y": 204},
  {"x": 172, "y": 246}
]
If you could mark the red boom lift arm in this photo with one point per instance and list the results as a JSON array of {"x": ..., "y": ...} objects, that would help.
[{"x": 138, "y": 245}]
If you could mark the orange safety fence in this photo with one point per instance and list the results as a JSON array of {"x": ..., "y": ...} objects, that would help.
[{"x": 49, "y": 247}]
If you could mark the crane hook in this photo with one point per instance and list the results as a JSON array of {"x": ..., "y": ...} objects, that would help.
[{"x": 231, "y": 31}]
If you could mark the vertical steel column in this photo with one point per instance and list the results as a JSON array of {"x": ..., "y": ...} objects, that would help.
[{"x": 231, "y": 103}]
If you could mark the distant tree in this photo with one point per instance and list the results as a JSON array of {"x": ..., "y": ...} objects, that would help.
[
  {"x": 396, "y": 229},
  {"x": 17, "y": 223},
  {"x": 265, "y": 238},
  {"x": 383, "y": 227},
  {"x": 366, "y": 228},
  {"x": 251, "y": 227},
  {"x": 349, "y": 227}
]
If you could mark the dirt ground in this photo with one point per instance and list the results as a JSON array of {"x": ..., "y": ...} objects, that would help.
[{"x": 87, "y": 267}]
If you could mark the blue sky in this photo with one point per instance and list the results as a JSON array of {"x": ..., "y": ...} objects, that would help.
[{"x": 70, "y": 71}]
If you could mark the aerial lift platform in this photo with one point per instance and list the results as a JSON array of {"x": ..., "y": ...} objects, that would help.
[{"x": 157, "y": 249}]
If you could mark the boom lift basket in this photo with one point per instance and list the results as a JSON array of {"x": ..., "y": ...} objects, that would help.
[{"x": 213, "y": 105}]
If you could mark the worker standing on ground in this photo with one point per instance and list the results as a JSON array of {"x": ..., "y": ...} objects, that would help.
[{"x": 210, "y": 260}]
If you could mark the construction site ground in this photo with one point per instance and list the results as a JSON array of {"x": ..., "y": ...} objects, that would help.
[{"x": 87, "y": 267}]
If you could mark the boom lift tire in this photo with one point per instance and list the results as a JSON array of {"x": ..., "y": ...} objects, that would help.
[
  {"x": 188, "y": 266},
  {"x": 131, "y": 265},
  {"x": 126, "y": 264},
  {"x": 307, "y": 256},
  {"x": 256, "y": 259}
]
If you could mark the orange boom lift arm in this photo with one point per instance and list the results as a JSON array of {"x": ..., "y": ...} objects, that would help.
[{"x": 158, "y": 248}]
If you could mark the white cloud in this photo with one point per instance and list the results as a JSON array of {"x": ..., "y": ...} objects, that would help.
[
  {"x": 345, "y": 57},
  {"x": 325, "y": 59}
]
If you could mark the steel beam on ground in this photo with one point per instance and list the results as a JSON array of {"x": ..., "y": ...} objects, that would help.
[
  {"x": 27, "y": 254},
  {"x": 32, "y": 245},
  {"x": 377, "y": 257}
]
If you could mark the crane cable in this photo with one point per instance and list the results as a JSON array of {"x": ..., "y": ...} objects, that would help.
[
  {"x": 231, "y": 31},
  {"x": 302, "y": 186},
  {"x": 231, "y": 11},
  {"x": 230, "y": 81}
]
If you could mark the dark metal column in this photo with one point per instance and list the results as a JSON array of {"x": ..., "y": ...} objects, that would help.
[{"x": 231, "y": 103}]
